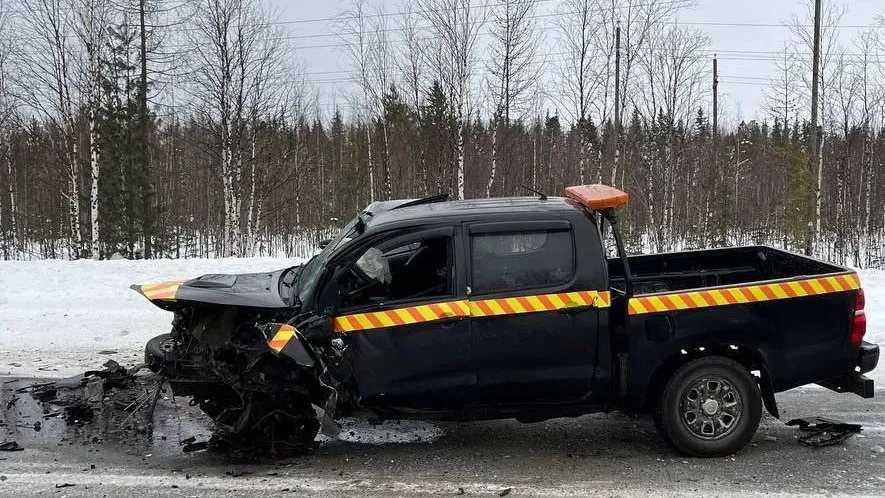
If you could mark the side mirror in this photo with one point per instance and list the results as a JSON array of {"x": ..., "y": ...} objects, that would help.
[{"x": 323, "y": 243}]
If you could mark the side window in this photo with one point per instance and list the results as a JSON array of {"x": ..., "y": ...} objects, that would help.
[
  {"x": 521, "y": 260},
  {"x": 417, "y": 270}
]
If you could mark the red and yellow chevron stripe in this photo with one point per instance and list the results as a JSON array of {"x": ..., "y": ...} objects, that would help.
[
  {"x": 744, "y": 294},
  {"x": 401, "y": 316},
  {"x": 541, "y": 302},
  {"x": 281, "y": 338},
  {"x": 163, "y": 291},
  {"x": 465, "y": 308}
]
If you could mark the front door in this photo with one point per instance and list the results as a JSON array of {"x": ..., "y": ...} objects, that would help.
[
  {"x": 533, "y": 329},
  {"x": 405, "y": 320}
]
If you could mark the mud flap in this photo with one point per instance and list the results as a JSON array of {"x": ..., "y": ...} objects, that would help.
[{"x": 768, "y": 394}]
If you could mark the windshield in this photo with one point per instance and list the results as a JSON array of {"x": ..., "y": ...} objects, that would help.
[{"x": 308, "y": 278}]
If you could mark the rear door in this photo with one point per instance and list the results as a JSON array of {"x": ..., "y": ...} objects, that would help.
[{"x": 533, "y": 330}]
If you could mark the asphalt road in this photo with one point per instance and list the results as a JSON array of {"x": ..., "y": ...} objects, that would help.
[{"x": 598, "y": 455}]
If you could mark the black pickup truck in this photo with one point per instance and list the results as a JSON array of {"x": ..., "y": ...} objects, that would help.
[{"x": 508, "y": 307}]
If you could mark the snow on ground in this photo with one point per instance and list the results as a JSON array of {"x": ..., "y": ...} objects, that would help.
[{"x": 57, "y": 316}]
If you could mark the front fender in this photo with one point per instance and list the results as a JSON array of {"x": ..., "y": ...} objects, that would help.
[
  {"x": 285, "y": 341},
  {"x": 161, "y": 294}
]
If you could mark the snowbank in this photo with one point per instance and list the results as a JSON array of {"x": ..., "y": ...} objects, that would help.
[{"x": 56, "y": 316}]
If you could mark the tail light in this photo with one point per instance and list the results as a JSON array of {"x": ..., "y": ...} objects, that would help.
[{"x": 859, "y": 326}]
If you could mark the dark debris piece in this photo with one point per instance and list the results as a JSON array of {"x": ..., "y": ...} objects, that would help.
[
  {"x": 191, "y": 447},
  {"x": 10, "y": 446},
  {"x": 823, "y": 431},
  {"x": 237, "y": 473}
]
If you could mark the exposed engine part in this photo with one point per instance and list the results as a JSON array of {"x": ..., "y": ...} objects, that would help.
[{"x": 259, "y": 401}]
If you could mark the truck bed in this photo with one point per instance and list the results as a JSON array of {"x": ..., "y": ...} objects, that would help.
[{"x": 679, "y": 271}]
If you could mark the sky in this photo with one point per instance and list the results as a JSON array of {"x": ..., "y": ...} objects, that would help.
[{"x": 745, "y": 35}]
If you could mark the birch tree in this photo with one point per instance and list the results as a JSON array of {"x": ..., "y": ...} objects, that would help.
[
  {"x": 675, "y": 73},
  {"x": 512, "y": 71},
  {"x": 871, "y": 99},
  {"x": 48, "y": 82},
  {"x": 804, "y": 33},
  {"x": 454, "y": 26},
  {"x": 580, "y": 71},
  {"x": 8, "y": 123},
  {"x": 92, "y": 16},
  {"x": 358, "y": 39},
  {"x": 411, "y": 66},
  {"x": 235, "y": 46}
]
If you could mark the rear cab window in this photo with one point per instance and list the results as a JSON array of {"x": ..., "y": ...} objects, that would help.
[{"x": 505, "y": 258}]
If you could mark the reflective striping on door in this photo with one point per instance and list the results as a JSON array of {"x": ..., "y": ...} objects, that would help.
[
  {"x": 541, "y": 302},
  {"x": 465, "y": 308},
  {"x": 659, "y": 303},
  {"x": 402, "y": 316}
]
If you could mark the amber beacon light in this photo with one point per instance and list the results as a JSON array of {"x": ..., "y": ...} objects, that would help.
[{"x": 597, "y": 197}]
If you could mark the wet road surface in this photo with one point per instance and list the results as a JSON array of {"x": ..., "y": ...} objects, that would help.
[{"x": 595, "y": 455}]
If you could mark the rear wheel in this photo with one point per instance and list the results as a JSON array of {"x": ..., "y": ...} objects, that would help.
[{"x": 710, "y": 407}]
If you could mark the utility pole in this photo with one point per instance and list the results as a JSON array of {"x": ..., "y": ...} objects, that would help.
[
  {"x": 718, "y": 180},
  {"x": 715, "y": 115},
  {"x": 617, "y": 101},
  {"x": 815, "y": 76}
]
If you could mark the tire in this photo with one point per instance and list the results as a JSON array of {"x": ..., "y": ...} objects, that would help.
[
  {"x": 710, "y": 407},
  {"x": 155, "y": 351}
]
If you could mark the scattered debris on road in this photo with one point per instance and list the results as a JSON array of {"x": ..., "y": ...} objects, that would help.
[
  {"x": 10, "y": 446},
  {"x": 824, "y": 432},
  {"x": 79, "y": 398}
]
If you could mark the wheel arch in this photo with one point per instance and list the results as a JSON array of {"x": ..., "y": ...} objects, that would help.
[{"x": 751, "y": 358}]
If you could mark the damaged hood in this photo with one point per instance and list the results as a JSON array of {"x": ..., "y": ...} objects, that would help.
[{"x": 253, "y": 290}]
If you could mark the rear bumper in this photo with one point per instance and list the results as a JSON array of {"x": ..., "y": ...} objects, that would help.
[
  {"x": 855, "y": 382},
  {"x": 868, "y": 357}
]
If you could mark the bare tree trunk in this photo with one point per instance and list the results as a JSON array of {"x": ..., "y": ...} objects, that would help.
[
  {"x": 238, "y": 51},
  {"x": 460, "y": 174},
  {"x": 93, "y": 195},
  {"x": 12, "y": 244},
  {"x": 250, "y": 229},
  {"x": 388, "y": 191},
  {"x": 91, "y": 23},
  {"x": 371, "y": 160},
  {"x": 494, "y": 132},
  {"x": 455, "y": 26},
  {"x": 817, "y": 190}
]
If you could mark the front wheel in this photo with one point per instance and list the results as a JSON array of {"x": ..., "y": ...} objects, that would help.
[
  {"x": 710, "y": 407},
  {"x": 155, "y": 351}
]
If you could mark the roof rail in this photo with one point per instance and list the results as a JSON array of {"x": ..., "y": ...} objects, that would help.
[{"x": 424, "y": 200}]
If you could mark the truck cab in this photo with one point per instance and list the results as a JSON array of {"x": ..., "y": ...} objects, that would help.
[{"x": 510, "y": 307}]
